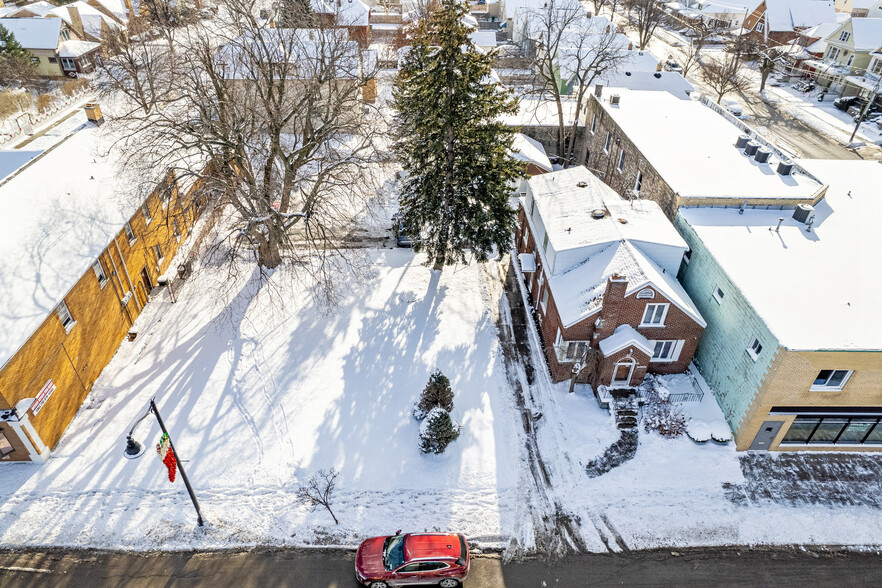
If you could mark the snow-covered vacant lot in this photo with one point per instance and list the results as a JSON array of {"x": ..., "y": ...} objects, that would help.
[{"x": 259, "y": 397}]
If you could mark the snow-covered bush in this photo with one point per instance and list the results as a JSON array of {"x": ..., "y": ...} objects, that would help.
[
  {"x": 662, "y": 415},
  {"x": 437, "y": 431},
  {"x": 436, "y": 393}
]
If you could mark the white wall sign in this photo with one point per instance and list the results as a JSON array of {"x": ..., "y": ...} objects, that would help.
[{"x": 42, "y": 397}]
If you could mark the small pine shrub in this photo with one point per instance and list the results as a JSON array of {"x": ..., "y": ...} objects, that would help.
[
  {"x": 436, "y": 393},
  {"x": 437, "y": 431}
]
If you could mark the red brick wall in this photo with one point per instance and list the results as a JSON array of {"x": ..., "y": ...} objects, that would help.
[{"x": 678, "y": 325}]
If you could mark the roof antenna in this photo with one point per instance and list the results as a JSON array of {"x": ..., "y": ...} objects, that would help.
[
  {"x": 780, "y": 220},
  {"x": 808, "y": 229},
  {"x": 741, "y": 210}
]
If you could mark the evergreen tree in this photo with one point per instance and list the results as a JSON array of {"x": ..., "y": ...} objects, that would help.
[
  {"x": 452, "y": 144},
  {"x": 437, "y": 431},
  {"x": 9, "y": 45},
  {"x": 436, "y": 393}
]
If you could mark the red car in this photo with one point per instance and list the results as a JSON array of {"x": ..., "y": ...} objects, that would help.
[{"x": 440, "y": 559}]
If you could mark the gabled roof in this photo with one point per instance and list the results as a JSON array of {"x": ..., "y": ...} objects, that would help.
[
  {"x": 90, "y": 16},
  {"x": 789, "y": 15},
  {"x": 530, "y": 151},
  {"x": 40, "y": 8},
  {"x": 866, "y": 34},
  {"x": 624, "y": 336},
  {"x": 34, "y": 33}
]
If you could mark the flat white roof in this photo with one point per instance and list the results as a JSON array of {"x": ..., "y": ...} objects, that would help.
[
  {"x": 56, "y": 216},
  {"x": 543, "y": 113},
  {"x": 693, "y": 148},
  {"x": 818, "y": 290}
]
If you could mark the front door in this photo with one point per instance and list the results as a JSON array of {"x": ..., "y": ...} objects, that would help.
[
  {"x": 765, "y": 436},
  {"x": 145, "y": 277},
  {"x": 622, "y": 374}
]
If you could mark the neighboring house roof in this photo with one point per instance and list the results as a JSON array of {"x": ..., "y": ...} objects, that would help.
[
  {"x": 693, "y": 149},
  {"x": 863, "y": 4},
  {"x": 625, "y": 336},
  {"x": 815, "y": 290},
  {"x": 115, "y": 7},
  {"x": 741, "y": 8},
  {"x": 56, "y": 216},
  {"x": 645, "y": 248},
  {"x": 485, "y": 39},
  {"x": 789, "y": 15},
  {"x": 75, "y": 48},
  {"x": 41, "y": 8},
  {"x": 34, "y": 33},
  {"x": 91, "y": 18},
  {"x": 866, "y": 34},
  {"x": 530, "y": 151},
  {"x": 665, "y": 81},
  {"x": 542, "y": 113}
]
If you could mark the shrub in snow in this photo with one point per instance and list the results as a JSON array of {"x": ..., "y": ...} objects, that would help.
[
  {"x": 699, "y": 431},
  {"x": 436, "y": 393},
  {"x": 660, "y": 414},
  {"x": 437, "y": 431},
  {"x": 319, "y": 490}
]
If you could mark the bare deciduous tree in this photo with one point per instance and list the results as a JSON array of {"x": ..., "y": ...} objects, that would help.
[
  {"x": 644, "y": 17},
  {"x": 769, "y": 58},
  {"x": 571, "y": 52},
  {"x": 319, "y": 489},
  {"x": 723, "y": 76},
  {"x": 274, "y": 123},
  {"x": 700, "y": 33}
]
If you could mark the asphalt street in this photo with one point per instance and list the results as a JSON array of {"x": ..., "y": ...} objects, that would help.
[{"x": 334, "y": 569}]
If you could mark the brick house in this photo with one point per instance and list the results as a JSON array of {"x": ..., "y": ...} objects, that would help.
[
  {"x": 81, "y": 248},
  {"x": 601, "y": 274},
  {"x": 679, "y": 152},
  {"x": 57, "y": 50},
  {"x": 793, "y": 344}
]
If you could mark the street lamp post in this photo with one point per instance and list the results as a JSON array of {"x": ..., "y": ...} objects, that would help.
[{"x": 135, "y": 450}]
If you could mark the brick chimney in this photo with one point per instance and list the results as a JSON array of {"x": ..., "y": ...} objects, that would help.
[
  {"x": 93, "y": 114},
  {"x": 613, "y": 299},
  {"x": 76, "y": 22}
]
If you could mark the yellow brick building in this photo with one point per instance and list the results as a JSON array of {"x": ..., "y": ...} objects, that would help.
[{"x": 86, "y": 247}]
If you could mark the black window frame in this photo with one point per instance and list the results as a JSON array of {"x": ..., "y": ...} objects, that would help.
[{"x": 848, "y": 419}]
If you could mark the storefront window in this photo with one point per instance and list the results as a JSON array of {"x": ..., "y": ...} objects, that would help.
[
  {"x": 828, "y": 431},
  {"x": 834, "y": 430},
  {"x": 801, "y": 430},
  {"x": 856, "y": 430}
]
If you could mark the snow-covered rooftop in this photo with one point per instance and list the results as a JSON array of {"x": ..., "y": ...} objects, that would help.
[
  {"x": 91, "y": 17},
  {"x": 788, "y": 15},
  {"x": 664, "y": 81},
  {"x": 693, "y": 148},
  {"x": 623, "y": 336},
  {"x": 542, "y": 113},
  {"x": 56, "y": 216},
  {"x": 34, "y": 33},
  {"x": 530, "y": 151},
  {"x": 815, "y": 290},
  {"x": 483, "y": 39},
  {"x": 866, "y": 34},
  {"x": 633, "y": 238},
  {"x": 74, "y": 48}
]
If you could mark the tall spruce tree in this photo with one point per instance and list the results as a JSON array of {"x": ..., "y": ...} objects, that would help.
[
  {"x": 9, "y": 45},
  {"x": 452, "y": 144}
]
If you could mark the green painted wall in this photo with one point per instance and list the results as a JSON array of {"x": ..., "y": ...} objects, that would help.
[{"x": 722, "y": 356}]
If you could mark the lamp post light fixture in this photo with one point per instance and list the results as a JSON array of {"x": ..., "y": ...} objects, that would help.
[{"x": 134, "y": 450}]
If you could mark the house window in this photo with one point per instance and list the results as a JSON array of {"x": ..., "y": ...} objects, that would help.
[
  {"x": 844, "y": 36},
  {"x": 877, "y": 66},
  {"x": 545, "y": 243},
  {"x": 159, "y": 254},
  {"x": 545, "y": 300},
  {"x": 759, "y": 27},
  {"x": 64, "y": 315},
  {"x": 638, "y": 183},
  {"x": 830, "y": 380},
  {"x": 532, "y": 206},
  {"x": 65, "y": 34},
  {"x": 146, "y": 210},
  {"x": 53, "y": 60},
  {"x": 5, "y": 446},
  {"x": 35, "y": 60},
  {"x": 755, "y": 348},
  {"x": 177, "y": 229},
  {"x": 718, "y": 294},
  {"x": 621, "y": 161},
  {"x": 654, "y": 315},
  {"x": 834, "y": 52},
  {"x": 99, "y": 273},
  {"x": 666, "y": 350},
  {"x": 526, "y": 236},
  {"x": 850, "y": 59},
  {"x": 68, "y": 64},
  {"x": 646, "y": 293},
  {"x": 687, "y": 256},
  {"x": 130, "y": 234},
  {"x": 575, "y": 350},
  {"x": 608, "y": 141},
  {"x": 593, "y": 124}
]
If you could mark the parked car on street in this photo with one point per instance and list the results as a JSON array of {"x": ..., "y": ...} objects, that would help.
[
  {"x": 671, "y": 65},
  {"x": 401, "y": 239},
  {"x": 440, "y": 559},
  {"x": 847, "y": 102},
  {"x": 734, "y": 107}
]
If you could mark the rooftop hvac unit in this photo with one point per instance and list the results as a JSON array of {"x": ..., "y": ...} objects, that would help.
[
  {"x": 785, "y": 169},
  {"x": 803, "y": 213},
  {"x": 762, "y": 156},
  {"x": 742, "y": 141},
  {"x": 614, "y": 99},
  {"x": 750, "y": 149}
]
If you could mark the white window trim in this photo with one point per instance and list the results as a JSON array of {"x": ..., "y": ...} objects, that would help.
[
  {"x": 759, "y": 27},
  {"x": 676, "y": 348},
  {"x": 145, "y": 210},
  {"x": 621, "y": 164},
  {"x": 608, "y": 142},
  {"x": 593, "y": 124},
  {"x": 664, "y": 316},
  {"x": 100, "y": 274},
  {"x": 719, "y": 298},
  {"x": 128, "y": 229},
  {"x": 820, "y": 388},
  {"x": 754, "y": 355},
  {"x": 157, "y": 249},
  {"x": 638, "y": 182},
  {"x": 544, "y": 300},
  {"x": 58, "y": 312}
]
